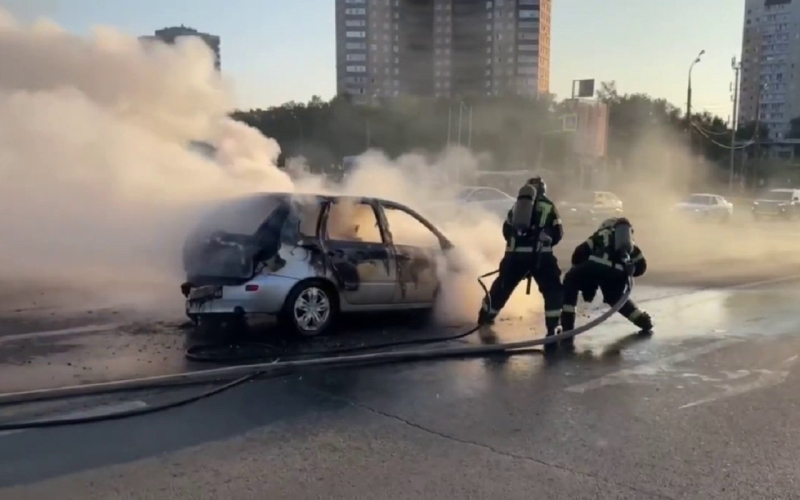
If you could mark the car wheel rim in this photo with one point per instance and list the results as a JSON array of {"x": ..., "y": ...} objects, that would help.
[{"x": 312, "y": 309}]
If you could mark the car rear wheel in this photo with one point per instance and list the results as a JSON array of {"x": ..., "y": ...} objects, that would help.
[{"x": 309, "y": 309}]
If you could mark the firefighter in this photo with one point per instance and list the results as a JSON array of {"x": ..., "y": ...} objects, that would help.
[
  {"x": 531, "y": 230},
  {"x": 605, "y": 261}
]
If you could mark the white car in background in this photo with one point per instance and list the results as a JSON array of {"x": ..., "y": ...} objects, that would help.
[
  {"x": 486, "y": 199},
  {"x": 705, "y": 207}
]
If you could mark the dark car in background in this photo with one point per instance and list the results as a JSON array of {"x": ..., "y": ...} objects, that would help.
[
  {"x": 778, "y": 204},
  {"x": 587, "y": 207}
]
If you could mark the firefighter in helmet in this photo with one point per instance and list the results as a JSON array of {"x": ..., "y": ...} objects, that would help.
[
  {"x": 531, "y": 230},
  {"x": 605, "y": 260}
]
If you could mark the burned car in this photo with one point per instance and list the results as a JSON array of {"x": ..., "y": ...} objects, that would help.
[{"x": 306, "y": 258}]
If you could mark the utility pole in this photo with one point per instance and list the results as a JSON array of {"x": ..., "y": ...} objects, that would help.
[
  {"x": 757, "y": 162},
  {"x": 449, "y": 118},
  {"x": 735, "y": 118},
  {"x": 689, "y": 128},
  {"x": 460, "y": 119},
  {"x": 689, "y": 93},
  {"x": 469, "y": 136}
]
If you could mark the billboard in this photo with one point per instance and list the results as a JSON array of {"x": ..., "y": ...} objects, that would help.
[{"x": 592, "y": 128}]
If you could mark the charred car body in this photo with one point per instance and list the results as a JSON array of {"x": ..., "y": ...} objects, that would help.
[{"x": 305, "y": 258}]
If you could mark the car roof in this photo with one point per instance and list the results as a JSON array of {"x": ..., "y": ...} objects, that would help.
[
  {"x": 328, "y": 197},
  {"x": 705, "y": 194},
  {"x": 782, "y": 190}
]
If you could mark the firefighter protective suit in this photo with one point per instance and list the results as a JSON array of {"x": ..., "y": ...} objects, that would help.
[
  {"x": 529, "y": 254},
  {"x": 605, "y": 261}
]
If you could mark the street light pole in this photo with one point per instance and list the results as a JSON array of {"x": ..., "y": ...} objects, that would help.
[
  {"x": 449, "y": 118},
  {"x": 469, "y": 136},
  {"x": 460, "y": 119},
  {"x": 689, "y": 92},
  {"x": 735, "y": 119}
]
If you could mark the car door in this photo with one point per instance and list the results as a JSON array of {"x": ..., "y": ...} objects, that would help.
[
  {"x": 417, "y": 250},
  {"x": 357, "y": 248}
]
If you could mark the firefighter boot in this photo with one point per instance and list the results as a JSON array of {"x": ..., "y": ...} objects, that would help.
[
  {"x": 486, "y": 315},
  {"x": 551, "y": 331},
  {"x": 567, "y": 324},
  {"x": 644, "y": 322}
]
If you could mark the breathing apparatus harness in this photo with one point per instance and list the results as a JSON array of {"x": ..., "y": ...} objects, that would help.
[
  {"x": 618, "y": 239},
  {"x": 521, "y": 217}
]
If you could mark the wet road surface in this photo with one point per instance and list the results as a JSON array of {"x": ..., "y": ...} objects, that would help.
[{"x": 705, "y": 408}]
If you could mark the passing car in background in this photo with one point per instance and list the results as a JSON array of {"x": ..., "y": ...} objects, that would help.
[
  {"x": 777, "y": 203},
  {"x": 307, "y": 258},
  {"x": 587, "y": 207},
  {"x": 705, "y": 207},
  {"x": 487, "y": 199}
]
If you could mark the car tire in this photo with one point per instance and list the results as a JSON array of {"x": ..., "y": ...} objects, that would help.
[{"x": 304, "y": 322}]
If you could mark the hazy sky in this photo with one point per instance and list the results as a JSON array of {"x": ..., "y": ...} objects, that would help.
[{"x": 281, "y": 50}]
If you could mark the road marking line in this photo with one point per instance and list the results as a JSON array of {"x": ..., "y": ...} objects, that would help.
[
  {"x": 766, "y": 379},
  {"x": 660, "y": 365},
  {"x": 97, "y": 411},
  {"x": 56, "y": 333}
]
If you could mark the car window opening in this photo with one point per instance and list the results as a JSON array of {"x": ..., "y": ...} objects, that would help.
[{"x": 354, "y": 222}]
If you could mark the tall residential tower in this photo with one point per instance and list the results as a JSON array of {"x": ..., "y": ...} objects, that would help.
[
  {"x": 442, "y": 48},
  {"x": 771, "y": 65},
  {"x": 169, "y": 35}
]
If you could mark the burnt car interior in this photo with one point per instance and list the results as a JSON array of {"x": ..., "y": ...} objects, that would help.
[{"x": 232, "y": 238}]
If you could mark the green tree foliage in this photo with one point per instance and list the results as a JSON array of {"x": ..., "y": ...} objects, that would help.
[{"x": 518, "y": 132}]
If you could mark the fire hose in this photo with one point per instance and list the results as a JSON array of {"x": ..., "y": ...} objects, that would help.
[{"x": 237, "y": 375}]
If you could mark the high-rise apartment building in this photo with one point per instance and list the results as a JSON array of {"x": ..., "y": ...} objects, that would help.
[
  {"x": 771, "y": 65},
  {"x": 442, "y": 48},
  {"x": 169, "y": 35}
]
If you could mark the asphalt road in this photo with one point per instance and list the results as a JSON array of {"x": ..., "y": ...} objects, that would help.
[{"x": 702, "y": 409}]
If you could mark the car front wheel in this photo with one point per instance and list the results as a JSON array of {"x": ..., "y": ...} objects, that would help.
[{"x": 309, "y": 309}]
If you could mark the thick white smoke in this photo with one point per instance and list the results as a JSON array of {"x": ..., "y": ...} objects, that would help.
[
  {"x": 94, "y": 164},
  {"x": 96, "y": 175},
  {"x": 430, "y": 185}
]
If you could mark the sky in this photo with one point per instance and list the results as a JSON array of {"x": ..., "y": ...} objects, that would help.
[{"x": 276, "y": 51}]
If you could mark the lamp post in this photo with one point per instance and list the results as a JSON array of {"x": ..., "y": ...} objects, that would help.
[
  {"x": 734, "y": 119},
  {"x": 689, "y": 91}
]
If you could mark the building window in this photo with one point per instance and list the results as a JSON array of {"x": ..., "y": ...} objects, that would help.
[
  {"x": 355, "y": 12},
  {"x": 355, "y": 23},
  {"x": 355, "y": 2},
  {"x": 357, "y": 69},
  {"x": 356, "y": 46},
  {"x": 356, "y": 57},
  {"x": 356, "y": 34}
]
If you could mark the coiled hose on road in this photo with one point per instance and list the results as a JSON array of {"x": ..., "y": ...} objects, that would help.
[{"x": 245, "y": 373}]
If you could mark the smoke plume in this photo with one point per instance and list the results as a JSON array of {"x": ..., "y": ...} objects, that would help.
[
  {"x": 97, "y": 176},
  {"x": 95, "y": 168}
]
